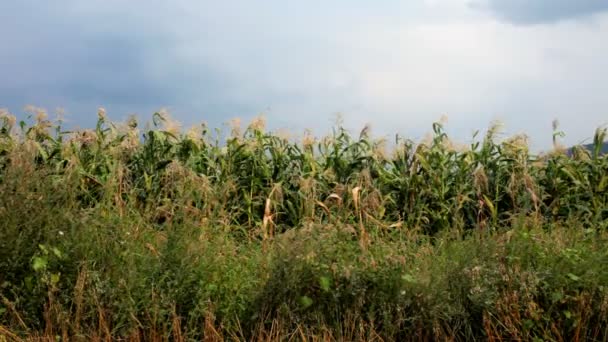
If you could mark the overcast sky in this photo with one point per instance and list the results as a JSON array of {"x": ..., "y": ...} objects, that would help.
[{"x": 399, "y": 65}]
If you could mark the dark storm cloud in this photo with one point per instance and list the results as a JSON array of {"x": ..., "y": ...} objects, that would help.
[
  {"x": 398, "y": 64},
  {"x": 528, "y": 12},
  {"x": 55, "y": 57}
]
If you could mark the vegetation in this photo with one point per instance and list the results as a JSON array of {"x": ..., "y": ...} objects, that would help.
[
  {"x": 113, "y": 233},
  {"x": 591, "y": 147}
]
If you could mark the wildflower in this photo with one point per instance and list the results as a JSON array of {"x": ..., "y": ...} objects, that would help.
[
  {"x": 41, "y": 115},
  {"x": 495, "y": 128},
  {"x": 427, "y": 140},
  {"x": 31, "y": 109},
  {"x": 173, "y": 127},
  {"x": 518, "y": 143},
  {"x": 283, "y": 134},
  {"x": 480, "y": 180},
  {"x": 131, "y": 140},
  {"x": 258, "y": 124},
  {"x": 132, "y": 122},
  {"x": 195, "y": 133},
  {"x": 8, "y": 118},
  {"x": 11, "y": 120},
  {"x": 101, "y": 114},
  {"x": 86, "y": 137},
  {"x": 235, "y": 125},
  {"x": 42, "y": 124},
  {"x": 164, "y": 114},
  {"x": 308, "y": 140},
  {"x": 170, "y": 125},
  {"x": 453, "y": 146},
  {"x": 380, "y": 149}
]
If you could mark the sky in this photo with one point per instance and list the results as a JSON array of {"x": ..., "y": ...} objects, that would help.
[{"x": 397, "y": 65}]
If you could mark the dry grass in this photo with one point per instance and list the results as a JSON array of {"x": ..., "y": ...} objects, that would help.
[{"x": 170, "y": 236}]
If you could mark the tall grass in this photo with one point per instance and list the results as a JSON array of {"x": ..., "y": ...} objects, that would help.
[{"x": 160, "y": 234}]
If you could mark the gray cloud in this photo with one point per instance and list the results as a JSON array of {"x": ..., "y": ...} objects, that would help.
[
  {"x": 398, "y": 65},
  {"x": 60, "y": 55},
  {"x": 542, "y": 11}
]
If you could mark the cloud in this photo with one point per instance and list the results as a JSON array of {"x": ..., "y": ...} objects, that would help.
[
  {"x": 69, "y": 55},
  {"x": 528, "y": 12},
  {"x": 398, "y": 65}
]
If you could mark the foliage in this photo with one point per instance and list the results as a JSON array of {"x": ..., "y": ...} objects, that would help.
[{"x": 116, "y": 233}]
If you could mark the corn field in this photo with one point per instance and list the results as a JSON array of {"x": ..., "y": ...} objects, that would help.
[{"x": 123, "y": 232}]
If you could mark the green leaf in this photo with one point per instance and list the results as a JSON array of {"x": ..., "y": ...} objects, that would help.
[
  {"x": 556, "y": 297},
  {"x": 573, "y": 277},
  {"x": 39, "y": 264},
  {"x": 43, "y": 249},
  {"x": 425, "y": 164},
  {"x": 57, "y": 252},
  {"x": 408, "y": 278},
  {"x": 603, "y": 183},
  {"x": 29, "y": 283},
  {"x": 55, "y": 278},
  {"x": 305, "y": 302},
  {"x": 42, "y": 152},
  {"x": 325, "y": 283},
  {"x": 491, "y": 206}
]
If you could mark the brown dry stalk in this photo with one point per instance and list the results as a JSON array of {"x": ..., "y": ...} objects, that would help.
[
  {"x": 78, "y": 297},
  {"x": 210, "y": 332},
  {"x": 13, "y": 311},
  {"x": 7, "y": 335}
]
